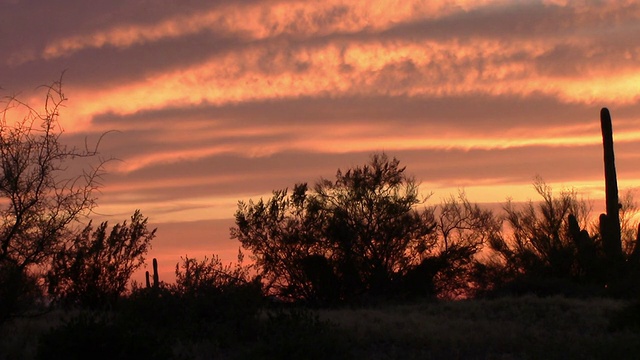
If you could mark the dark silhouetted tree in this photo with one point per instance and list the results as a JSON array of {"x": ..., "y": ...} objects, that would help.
[
  {"x": 41, "y": 197},
  {"x": 463, "y": 229},
  {"x": 360, "y": 234},
  {"x": 353, "y": 235},
  {"x": 95, "y": 268},
  {"x": 371, "y": 224},
  {"x": 280, "y": 232}
]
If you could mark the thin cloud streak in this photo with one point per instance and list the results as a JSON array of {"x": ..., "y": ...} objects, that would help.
[
  {"x": 259, "y": 141},
  {"x": 259, "y": 21}
]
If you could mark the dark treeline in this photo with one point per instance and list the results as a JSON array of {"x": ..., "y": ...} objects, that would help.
[{"x": 363, "y": 238}]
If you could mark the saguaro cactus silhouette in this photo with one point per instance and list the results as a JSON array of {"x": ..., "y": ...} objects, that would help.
[
  {"x": 156, "y": 279},
  {"x": 155, "y": 273},
  {"x": 610, "y": 222}
]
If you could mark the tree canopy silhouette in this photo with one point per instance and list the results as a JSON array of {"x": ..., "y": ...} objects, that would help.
[
  {"x": 94, "y": 269},
  {"x": 41, "y": 198},
  {"x": 359, "y": 234}
]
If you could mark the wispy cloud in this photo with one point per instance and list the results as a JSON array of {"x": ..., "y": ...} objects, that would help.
[
  {"x": 216, "y": 102},
  {"x": 255, "y": 21}
]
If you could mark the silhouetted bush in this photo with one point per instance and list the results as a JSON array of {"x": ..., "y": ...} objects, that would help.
[
  {"x": 210, "y": 303},
  {"x": 364, "y": 224},
  {"x": 546, "y": 252},
  {"x": 158, "y": 310},
  {"x": 223, "y": 301},
  {"x": 360, "y": 235},
  {"x": 19, "y": 291},
  {"x": 193, "y": 276},
  {"x": 91, "y": 336},
  {"x": 297, "y": 334},
  {"x": 549, "y": 251},
  {"x": 541, "y": 244},
  {"x": 95, "y": 268}
]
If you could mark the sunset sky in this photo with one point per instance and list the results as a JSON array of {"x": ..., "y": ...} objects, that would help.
[{"x": 220, "y": 101}]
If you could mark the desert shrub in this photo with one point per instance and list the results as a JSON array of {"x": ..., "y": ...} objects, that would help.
[
  {"x": 541, "y": 243},
  {"x": 94, "y": 269},
  {"x": 546, "y": 250},
  {"x": 157, "y": 310},
  {"x": 362, "y": 235},
  {"x": 297, "y": 334},
  {"x": 225, "y": 317},
  {"x": 365, "y": 224},
  {"x": 222, "y": 301},
  {"x": 193, "y": 275},
  {"x": 19, "y": 291},
  {"x": 210, "y": 302},
  {"x": 98, "y": 336}
]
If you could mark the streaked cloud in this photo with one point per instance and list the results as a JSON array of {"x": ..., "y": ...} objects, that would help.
[
  {"x": 215, "y": 102},
  {"x": 255, "y": 21}
]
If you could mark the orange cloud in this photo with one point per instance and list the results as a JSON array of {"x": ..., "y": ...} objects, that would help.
[
  {"x": 259, "y": 21},
  {"x": 297, "y": 49},
  {"x": 427, "y": 69}
]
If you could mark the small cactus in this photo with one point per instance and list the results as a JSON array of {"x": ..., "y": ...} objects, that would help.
[
  {"x": 586, "y": 249},
  {"x": 155, "y": 273}
]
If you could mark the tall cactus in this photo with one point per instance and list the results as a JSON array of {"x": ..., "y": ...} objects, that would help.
[
  {"x": 610, "y": 222},
  {"x": 155, "y": 273}
]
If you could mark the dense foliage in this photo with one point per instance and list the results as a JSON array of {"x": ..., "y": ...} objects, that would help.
[
  {"x": 94, "y": 269},
  {"x": 540, "y": 241},
  {"x": 546, "y": 248},
  {"x": 193, "y": 275},
  {"x": 361, "y": 234}
]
